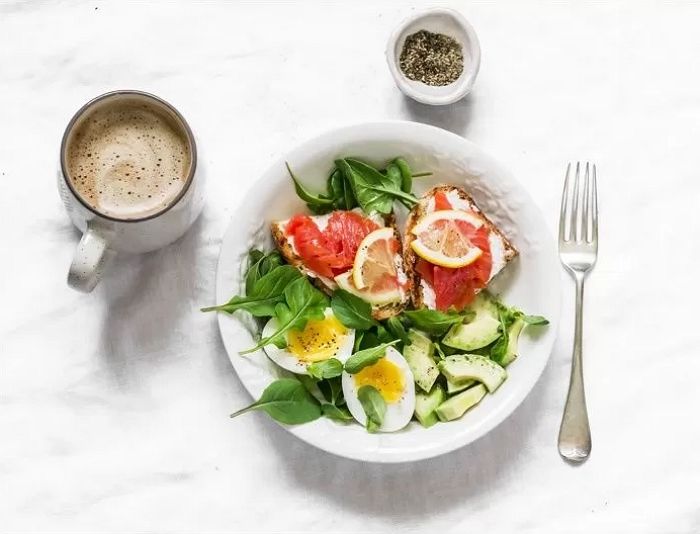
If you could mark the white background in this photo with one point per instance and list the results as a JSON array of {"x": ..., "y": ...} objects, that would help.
[{"x": 114, "y": 405}]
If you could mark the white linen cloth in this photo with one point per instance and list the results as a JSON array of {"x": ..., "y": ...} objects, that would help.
[{"x": 114, "y": 406}]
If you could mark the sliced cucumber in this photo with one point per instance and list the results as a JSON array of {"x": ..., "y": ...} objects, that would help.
[
  {"x": 427, "y": 403},
  {"x": 463, "y": 367},
  {"x": 419, "y": 355},
  {"x": 483, "y": 329},
  {"x": 455, "y": 387},
  {"x": 513, "y": 334},
  {"x": 454, "y": 407}
]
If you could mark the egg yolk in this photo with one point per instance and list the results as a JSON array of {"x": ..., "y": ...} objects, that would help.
[
  {"x": 318, "y": 341},
  {"x": 385, "y": 376}
]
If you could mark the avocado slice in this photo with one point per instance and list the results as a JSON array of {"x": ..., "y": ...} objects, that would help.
[
  {"x": 419, "y": 356},
  {"x": 456, "y": 387},
  {"x": 463, "y": 367},
  {"x": 483, "y": 329},
  {"x": 513, "y": 334},
  {"x": 427, "y": 403},
  {"x": 454, "y": 407}
]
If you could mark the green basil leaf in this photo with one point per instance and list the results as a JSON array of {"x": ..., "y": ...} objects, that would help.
[
  {"x": 535, "y": 320},
  {"x": 433, "y": 321},
  {"x": 362, "y": 359},
  {"x": 266, "y": 293},
  {"x": 337, "y": 414},
  {"x": 302, "y": 302},
  {"x": 326, "y": 369},
  {"x": 351, "y": 310},
  {"x": 287, "y": 401},
  {"x": 374, "y": 406},
  {"x": 373, "y": 190},
  {"x": 317, "y": 203}
]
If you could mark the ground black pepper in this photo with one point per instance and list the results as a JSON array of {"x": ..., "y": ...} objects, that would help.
[{"x": 431, "y": 58}]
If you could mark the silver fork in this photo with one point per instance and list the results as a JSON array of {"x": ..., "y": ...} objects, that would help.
[{"x": 578, "y": 250}]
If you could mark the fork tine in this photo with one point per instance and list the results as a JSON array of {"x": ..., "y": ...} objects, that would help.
[
  {"x": 585, "y": 217},
  {"x": 594, "y": 211},
  {"x": 564, "y": 204},
  {"x": 574, "y": 224}
]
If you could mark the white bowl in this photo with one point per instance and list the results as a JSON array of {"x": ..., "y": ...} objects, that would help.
[
  {"x": 530, "y": 283},
  {"x": 447, "y": 22}
]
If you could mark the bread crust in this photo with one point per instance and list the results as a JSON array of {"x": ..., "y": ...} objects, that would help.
[
  {"x": 328, "y": 285},
  {"x": 417, "y": 213}
]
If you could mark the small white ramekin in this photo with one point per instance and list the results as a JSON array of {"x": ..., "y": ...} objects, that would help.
[{"x": 447, "y": 22}]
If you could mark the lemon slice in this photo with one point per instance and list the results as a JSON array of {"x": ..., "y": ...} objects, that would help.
[
  {"x": 374, "y": 297},
  {"x": 374, "y": 259},
  {"x": 441, "y": 239}
]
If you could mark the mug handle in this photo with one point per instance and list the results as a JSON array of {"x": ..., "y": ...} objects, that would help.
[{"x": 90, "y": 258}]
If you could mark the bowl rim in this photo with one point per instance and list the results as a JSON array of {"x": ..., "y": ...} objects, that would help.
[
  {"x": 423, "y": 451},
  {"x": 462, "y": 88}
]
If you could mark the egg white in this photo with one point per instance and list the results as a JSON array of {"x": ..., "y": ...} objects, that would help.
[
  {"x": 290, "y": 362},
  {"x": 398, "y": 414}
]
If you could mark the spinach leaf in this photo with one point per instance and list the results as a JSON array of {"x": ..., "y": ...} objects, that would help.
[
  {"x": 332, "y": 390},
  {"x": 266, "y": 293},
  {"x": 316, "y": 203},
  {"x": 302, "y": 302},
  {"x": 340, "y": 191},
  {"x": 359, "y": 337},
  {"x": 337, "y": 414},
  {"x": 348, "y": 194},
  {"x": 498, "y": 349},
  {"x": 310, "y": 385},
  {"x": 433, "y": 321},
  {"x": 394, "y": 174},
  {"x": 535, "y": 320},
  {"x": 374, "y": 406},
  {"x": 383, "y": 335},
  {"x": 438, "y": 349},
  {"x": 406, "y": 176},
  {"x": 396, "y": 328},
  {"x": 336, "y": 188},
  {"x": 329, "y": 368},
  {"x": 287, "y": 401},
  {"x": 351, "y": 310},
  {"x": 373, "y": 190},
  {"x": 370, "y": 356},
  {"x": 259, "y": 265},
  {"x": 369, "y": 340}
]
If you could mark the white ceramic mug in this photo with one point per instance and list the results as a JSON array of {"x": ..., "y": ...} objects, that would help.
[{"x": 104, "y": 235}]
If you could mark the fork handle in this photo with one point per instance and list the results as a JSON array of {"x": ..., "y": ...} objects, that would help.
[{"x": 575, "y": 434}]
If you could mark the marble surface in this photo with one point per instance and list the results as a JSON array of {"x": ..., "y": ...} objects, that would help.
[{"x": 113, "y": 406}]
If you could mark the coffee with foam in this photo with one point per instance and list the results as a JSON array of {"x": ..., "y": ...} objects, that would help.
[{"x": 128, "y": 160}]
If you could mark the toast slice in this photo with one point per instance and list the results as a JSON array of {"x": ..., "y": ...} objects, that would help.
[
  {"x": 285, "y": 244},
  {"x": 502, "y": 250}
]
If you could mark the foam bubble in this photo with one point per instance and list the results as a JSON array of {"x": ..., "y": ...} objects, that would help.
[{"x": 122, "y": 172}]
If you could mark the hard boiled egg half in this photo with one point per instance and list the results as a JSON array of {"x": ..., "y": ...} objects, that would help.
[
  {"x": 392, "y": 377},
  {"x": 318, "y": 341}
]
